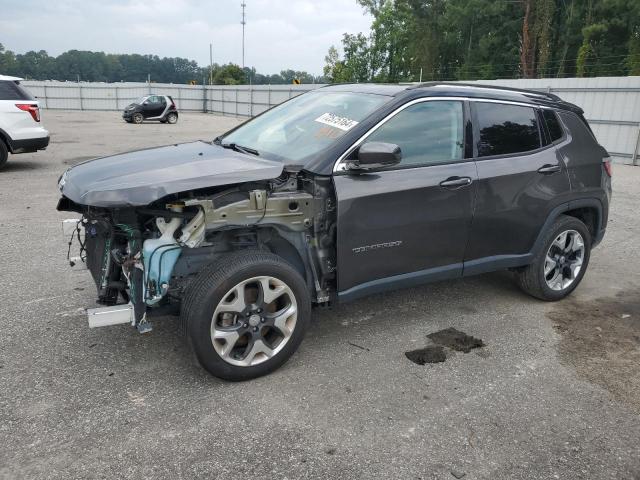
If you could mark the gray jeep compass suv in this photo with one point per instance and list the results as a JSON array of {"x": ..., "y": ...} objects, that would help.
[{"x": 345, "y": 191}]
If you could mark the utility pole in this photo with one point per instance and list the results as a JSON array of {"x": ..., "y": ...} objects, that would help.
[
  {"x": 211, "y": 64},
  {"x": 243, "y": 23}
]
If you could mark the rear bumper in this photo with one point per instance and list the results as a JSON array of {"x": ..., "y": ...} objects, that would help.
[{"x": 29, "y": 145}]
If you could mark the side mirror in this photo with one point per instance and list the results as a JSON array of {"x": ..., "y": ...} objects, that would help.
[
  {"x": 146, "y": 102},
  {"x": 376, "y": 155}
]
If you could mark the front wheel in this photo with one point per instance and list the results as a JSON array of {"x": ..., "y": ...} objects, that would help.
[
  {"x": 246, "y": 314},
  {"x": 137, "y": 118},
  {"x": 561, "y": 263}
]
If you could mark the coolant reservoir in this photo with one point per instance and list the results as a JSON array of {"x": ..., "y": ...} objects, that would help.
[{"x": 159, "y": 257}]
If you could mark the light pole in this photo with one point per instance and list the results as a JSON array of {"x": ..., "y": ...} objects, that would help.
[
  {"x": 243, "y": 23},
  {"x": 211, "y": 64}
]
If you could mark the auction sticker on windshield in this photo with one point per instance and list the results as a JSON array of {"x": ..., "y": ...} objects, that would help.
[{"x": 336, "y": 121}]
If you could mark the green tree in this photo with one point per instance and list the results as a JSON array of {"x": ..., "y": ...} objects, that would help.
[
  {"x": 587, "y": 54},
  {"x": 36, "y": 64},
  {"x": 633, "y": 59},
  {"x": 357, "y": 58},
  {"x": 475, "y": 39},
  {"x": 8, "y": 63},
  {"x": 98, "y": 66},
  {"x": 230, "y": 74},
  {"x": 333, "y": 68}
]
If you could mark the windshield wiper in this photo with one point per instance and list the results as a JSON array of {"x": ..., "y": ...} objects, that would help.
[{"x": 239, "y": 148}]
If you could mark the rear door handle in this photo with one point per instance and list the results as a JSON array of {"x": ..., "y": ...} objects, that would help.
[
  {"x": 456, "y": 182},
  {"x": 549, "y": 169}
]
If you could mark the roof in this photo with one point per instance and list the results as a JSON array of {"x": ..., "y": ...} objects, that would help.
[
  {"x": 491, "y": 92},
  {"x": 372, "y": 88},
  {"x": 5, "y": 77}
]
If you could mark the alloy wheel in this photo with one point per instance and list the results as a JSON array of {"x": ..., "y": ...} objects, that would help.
[
  {"x": 254, "y": 321},
  {"x": 564, "y": 259}
]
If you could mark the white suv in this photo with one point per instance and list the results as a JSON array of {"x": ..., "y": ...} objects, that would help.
[{"x": 20, "y": 127}]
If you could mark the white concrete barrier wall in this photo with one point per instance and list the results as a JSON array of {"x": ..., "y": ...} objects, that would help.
[{"x": 611, "y": 104}]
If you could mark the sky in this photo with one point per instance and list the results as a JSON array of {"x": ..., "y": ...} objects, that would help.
[{"x": 279, "y": 34}]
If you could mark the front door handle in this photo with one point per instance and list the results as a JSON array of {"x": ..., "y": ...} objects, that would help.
[
  {"x": 456, "y": 182},
  {"x": 549, "y": 169}
]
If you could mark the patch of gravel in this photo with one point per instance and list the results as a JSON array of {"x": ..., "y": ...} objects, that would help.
[{"x": 601, "y": 340}]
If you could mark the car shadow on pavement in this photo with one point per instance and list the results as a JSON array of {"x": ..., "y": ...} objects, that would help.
[
  {"x": 436, "y": 298},
  {"x": 21, "y": 166},
  {"x": 167, "y": 351}
]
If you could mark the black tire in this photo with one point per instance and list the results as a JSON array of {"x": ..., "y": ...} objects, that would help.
[
  {"x": 4, "y": 153},
  {"x": 171, "y": 118},
  {"x": 209, "y": 289},
  {"x": 531, "y": 279},
  {"x": 137, "y": 118}
]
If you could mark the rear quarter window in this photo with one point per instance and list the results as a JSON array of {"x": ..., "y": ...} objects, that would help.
[
  {"x": 506, "y": 129},
  {"x": 10, "y": 90},
  {"x": 553, "y": 124}
]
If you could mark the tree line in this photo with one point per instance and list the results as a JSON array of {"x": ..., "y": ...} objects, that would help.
[
  {"x": 75, "y": 65},
  {"x": 408, "y": 40},
  {"x": 489, "y": 39}
]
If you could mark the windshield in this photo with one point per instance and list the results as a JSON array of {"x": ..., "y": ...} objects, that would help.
[
  {"x": 304, "y": 125},
  {"x": 141, "y": 100}
]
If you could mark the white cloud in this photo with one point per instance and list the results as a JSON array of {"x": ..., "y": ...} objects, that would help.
[{"x": 279, "y": 33}]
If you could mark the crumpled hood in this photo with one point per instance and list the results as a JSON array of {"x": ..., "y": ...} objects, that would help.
[{"x": 141, "y": 177}]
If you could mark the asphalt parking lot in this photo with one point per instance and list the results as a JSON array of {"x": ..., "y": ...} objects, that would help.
[{"x": 554, "y": 393}]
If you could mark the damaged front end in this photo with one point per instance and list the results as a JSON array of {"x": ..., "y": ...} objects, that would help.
[
  {"x": 130, "y": 260},
  {"x": 142, "y": 258},
  {"x": 131, "y": 254}
]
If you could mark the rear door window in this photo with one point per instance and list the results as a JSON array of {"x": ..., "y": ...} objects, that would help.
[
  {"x": 10, "y": 90},
  {"x": 553, "y": 124},
  {"x": 506, "y": 129}
]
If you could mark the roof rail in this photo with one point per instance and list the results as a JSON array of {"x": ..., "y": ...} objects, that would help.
[{"x": 538, "y": 93}]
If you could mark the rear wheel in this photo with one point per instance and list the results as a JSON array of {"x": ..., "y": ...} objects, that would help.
[
  {"x": 561, "y": 263},
  {"x": 137, "y": 118},
  {"x": 246, "y": 314},
  {"x": 172, "y": 118},
  {"x": 4, "y": 153}
]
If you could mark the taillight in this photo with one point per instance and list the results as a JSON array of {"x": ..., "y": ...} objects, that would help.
[
  {"x": 32, "y": 109},
  {"x": 173, "y": 105},
  {"x": 606, "y": 163}
]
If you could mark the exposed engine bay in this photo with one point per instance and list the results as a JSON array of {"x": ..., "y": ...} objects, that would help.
[{"x": 143, "y": 258}]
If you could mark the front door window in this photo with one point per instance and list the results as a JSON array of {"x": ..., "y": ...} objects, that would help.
[{"x": 428, "y": 133}]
